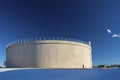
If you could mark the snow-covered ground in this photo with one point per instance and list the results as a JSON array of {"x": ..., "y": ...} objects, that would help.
[
  {"x": 58, "y": 74},
  {"x": 11, "y": 69}
]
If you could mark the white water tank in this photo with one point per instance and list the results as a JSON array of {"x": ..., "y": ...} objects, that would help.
[{"x": 49, "y": 54}]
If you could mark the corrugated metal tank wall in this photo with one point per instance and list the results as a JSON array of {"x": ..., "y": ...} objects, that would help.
[{"x": 49, "y": 54}]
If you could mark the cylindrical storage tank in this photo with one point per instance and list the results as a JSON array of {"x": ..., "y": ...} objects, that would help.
[{"x": 49, "y": 54}]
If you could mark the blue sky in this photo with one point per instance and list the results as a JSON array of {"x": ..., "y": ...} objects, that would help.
[{"x": 87, "y": 20}]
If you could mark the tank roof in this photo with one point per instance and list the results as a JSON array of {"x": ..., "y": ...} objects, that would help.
[{"x": 47, "y": 39}]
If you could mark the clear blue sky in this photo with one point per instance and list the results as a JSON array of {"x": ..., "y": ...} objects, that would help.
[{"x": 86, "y": 20}]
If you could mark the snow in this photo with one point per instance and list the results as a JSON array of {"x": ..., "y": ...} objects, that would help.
[{"x": 59, "y": 74}]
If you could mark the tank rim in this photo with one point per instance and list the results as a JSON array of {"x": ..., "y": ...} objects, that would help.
[{"x": 46, "y": 39}]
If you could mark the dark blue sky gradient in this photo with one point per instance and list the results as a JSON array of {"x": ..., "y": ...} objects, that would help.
[{"x": 86, "y": 20}]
